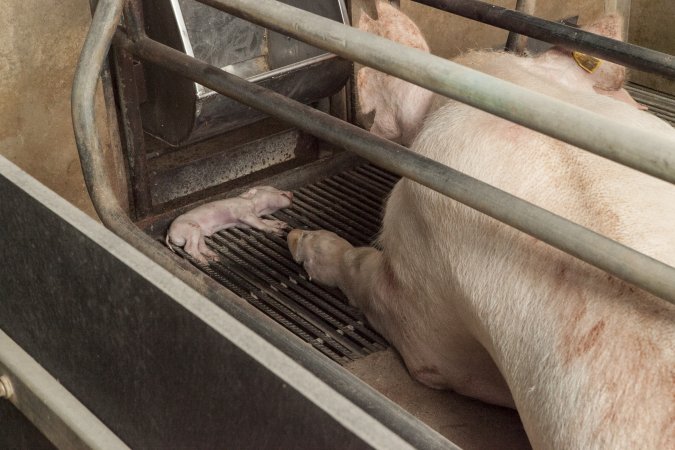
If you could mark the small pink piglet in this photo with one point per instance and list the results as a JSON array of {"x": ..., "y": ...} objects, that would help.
[{"x": 244, "y": 211}]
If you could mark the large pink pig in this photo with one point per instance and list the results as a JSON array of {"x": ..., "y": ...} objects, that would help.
[{"x": 478, "y": 307}]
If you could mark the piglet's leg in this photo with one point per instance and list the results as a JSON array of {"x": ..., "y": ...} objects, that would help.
[
  {"x": 194, "y": 244},
  {"x": 205, "y": 250},
  {"x": 266, "y": 225}
]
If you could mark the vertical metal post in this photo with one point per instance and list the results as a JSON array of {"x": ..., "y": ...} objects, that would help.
[
  {"x": 621, "y": 7},
  {"x": 516, "y": 43}
]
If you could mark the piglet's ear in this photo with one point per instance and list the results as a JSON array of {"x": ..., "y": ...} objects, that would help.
[
  {"x": 249, "y": 194},
  {"x": 606, "y": 76}
]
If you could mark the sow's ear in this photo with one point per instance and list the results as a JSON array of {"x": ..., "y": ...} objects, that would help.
[{"x": 606, "y": 76}]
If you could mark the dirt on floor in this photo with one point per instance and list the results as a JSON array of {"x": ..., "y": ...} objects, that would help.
[{"x": 470, "y": 424}]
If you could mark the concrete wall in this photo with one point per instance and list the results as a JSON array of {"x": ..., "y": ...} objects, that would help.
[{"x": 40, "y": 42}]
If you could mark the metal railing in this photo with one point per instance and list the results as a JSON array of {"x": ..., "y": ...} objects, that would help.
[
  {"x": 65, "y": 421},
  {"x": 566, "y": 36},
  {"x": 536, "y": 111},
  {"x": 555, "y": 118}
]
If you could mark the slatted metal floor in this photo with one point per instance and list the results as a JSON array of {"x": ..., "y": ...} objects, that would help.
[
  {"x": 658, "y": 103},
  {"x": 259, "y": 268}
]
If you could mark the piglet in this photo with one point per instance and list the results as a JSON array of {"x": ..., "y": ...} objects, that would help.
[{"x": 244, "y": 211}]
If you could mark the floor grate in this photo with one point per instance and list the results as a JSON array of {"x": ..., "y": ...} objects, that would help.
[
  {"x": 258, "y": 267},
  {"x": 660, "y": 104}
]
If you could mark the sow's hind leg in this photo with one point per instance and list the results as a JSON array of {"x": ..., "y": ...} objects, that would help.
[{"x": 435, "y": 345}]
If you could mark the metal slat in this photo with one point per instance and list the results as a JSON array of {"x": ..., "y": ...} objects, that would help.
[
  {"x": 258, "y": 267},
  {"x": 286, "y": 259},
  {"x": 309, "y": 303},
  {"x": 617, "y": 259},
  {"x": 347, "y": 194},
  {"x": 351, "y": 326},
  {"x": 366, "y": 228},
  {"x": 279, "y": 300},
  {"x": 660, "y": 104}
]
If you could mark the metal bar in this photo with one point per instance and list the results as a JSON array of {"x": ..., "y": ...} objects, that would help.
[
  {"x": 536, "y": 111},
  {"x": 387, "y": 425},
  {"x": 621, "y": 7},
  {"x": 96, "y": 45},
  {"x": 515, "y": 42},
  {"x": 559, "y": 34},
  {"x": 65, "y": 421},
  {"x": 133, "y": 133},
  {"x": 626, "y": 263}
]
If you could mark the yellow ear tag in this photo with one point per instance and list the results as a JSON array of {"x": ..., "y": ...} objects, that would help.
[{"x": 589, "y": 63}]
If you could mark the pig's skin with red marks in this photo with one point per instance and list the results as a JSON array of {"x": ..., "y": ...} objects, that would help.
[{"x": 478, "y": 307}]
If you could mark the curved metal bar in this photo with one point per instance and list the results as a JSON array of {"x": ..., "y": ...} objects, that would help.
[
  {"x": 559, "y": 34},
  {"x": 94, "y": 168},
  {"x": 515, "y": 42},
  {"x": 626, "y": 263},
  {"x": 114, "y": 217},
  {"x": 96, "y": 45},
  {"x": 569, "y": 123}
]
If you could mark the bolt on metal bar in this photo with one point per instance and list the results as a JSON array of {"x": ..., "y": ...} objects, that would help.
[
  {"x": 533, "y": 110},
  {"x": 65, "y": 421},
  {"x": 626, "y": 263},
  {"x": 559, "y": 34}
]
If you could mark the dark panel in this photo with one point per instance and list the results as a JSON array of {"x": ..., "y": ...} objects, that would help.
[
  {"x": 17, "y": 433},
  {"x": 149, "y": 369}
]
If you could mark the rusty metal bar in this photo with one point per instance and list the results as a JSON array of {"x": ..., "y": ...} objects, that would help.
[
  {"x": 626, "y": 263},
  {"x": 559, "y": 34},
  {"x": 517, "y": 42},
  {"x": 65, "y": 421}
]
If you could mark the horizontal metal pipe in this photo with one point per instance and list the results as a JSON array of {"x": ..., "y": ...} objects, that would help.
[
  {"x": 53, "y": 410},
  {"x": 624, "y": 262},
  {"x": 559, "y": 34},
  {"x": 533, "y": 110}
]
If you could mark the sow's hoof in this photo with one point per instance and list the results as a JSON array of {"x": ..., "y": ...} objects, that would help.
[{"x": 320, "y": 253}]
